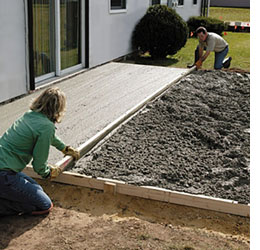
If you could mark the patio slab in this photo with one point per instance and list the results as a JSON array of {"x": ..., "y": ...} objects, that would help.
[{"x": 96, "y": 98}]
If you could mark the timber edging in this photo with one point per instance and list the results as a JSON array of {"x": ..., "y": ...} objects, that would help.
[{"x": 152, "y": 193}]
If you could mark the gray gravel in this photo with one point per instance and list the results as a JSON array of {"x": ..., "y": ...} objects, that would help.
[{"x": 194, "y": 139}]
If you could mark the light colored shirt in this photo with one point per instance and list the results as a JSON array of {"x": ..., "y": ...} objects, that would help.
[
  {"x": 29, "y": 138},
  {"x": 214, "y": 42}
]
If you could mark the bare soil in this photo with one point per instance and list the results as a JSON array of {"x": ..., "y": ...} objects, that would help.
[
  {"x": 89, "y": 219},
  {"x": 193, "y": 137}
]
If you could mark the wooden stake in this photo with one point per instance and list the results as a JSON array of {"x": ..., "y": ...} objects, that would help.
[{"x": 110, "y": 188}]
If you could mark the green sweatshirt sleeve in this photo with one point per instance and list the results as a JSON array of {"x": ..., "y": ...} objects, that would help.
[
  {"x": 58, "y": 143},
  {"x": 41, "y": 151}
]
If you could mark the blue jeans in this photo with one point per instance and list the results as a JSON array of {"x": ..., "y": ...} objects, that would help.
[
  {"x": 219, "y": 57},
  {"x": 19, "y": 193}
]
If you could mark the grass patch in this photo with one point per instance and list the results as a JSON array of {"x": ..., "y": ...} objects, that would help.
[
  {"x": 230, "y": 14},
  {"x": 239, "y": 49}
]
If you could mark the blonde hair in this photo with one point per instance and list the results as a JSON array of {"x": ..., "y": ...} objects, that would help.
[{"x": 51, "y": 102}]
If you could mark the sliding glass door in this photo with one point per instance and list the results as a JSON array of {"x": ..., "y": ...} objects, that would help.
[
  {"x": 43, "y": 37},
  {"x": 70, "y": 38},
  {"x": 57, "y": 37}
]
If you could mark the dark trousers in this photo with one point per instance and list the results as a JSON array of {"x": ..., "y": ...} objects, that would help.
[
  {"x": 219, "y": 57},
  {"x": 20, "y": 194}
]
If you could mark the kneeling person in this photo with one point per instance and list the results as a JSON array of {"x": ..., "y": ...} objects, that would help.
[
  {"x": 30, "y": 138},
  {"x": 211, "y": 42}
]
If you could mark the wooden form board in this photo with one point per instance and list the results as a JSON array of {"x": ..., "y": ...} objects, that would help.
[{"x": 152, "y": 193}]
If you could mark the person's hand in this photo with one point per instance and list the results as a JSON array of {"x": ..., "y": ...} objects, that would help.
[
  {"x": 198, "y": 64},
  {"x": 55, "y": 171},
  {"x": 68, "y": 150}
]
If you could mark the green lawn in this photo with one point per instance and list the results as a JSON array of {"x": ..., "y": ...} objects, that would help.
[
  {"x": 239, "y": 49},
  {"x": 230, "y": 14},
  {"x": 239, "y": 45}
]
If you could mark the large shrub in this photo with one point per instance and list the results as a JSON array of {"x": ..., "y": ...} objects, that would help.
[
  {"x": 160, "y": 32},
  {"x": 211, "y": 24}
]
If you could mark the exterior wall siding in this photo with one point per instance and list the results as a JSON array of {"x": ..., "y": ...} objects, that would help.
[
  {"x": 110, "y": 33},
  {"x": 189, "y": 9},
  {"x": 13, "y": 80}
]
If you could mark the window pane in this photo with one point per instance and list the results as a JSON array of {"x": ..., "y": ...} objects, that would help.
[
  {"x": 180, "y": 2},
  {"x": 70, "y": 33},
  {"x": 118, "y": 4},
  {"x": 156, "y": 2},
  {"x": 42, "y": 37}
]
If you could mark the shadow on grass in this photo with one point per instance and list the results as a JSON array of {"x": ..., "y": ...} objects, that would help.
[{"x": 145, "y": 60}]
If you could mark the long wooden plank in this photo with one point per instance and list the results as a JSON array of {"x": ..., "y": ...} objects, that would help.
[
  {"x": 70, "y": 178},
  {"x": 89, "y": 144},
  {"x": 152, "y": 193}
]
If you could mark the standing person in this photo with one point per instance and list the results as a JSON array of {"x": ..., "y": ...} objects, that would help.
[
  {"x": 210, "y": 42},
  {"x": 29, "y": 138}
]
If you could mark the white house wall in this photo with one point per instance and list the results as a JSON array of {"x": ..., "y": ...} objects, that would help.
[
  {"x": 12, "y": 49},
  {"x": 164, "y": 2},
  {"x": 186, "y": 10},
  {"x": 189, "y": 9},
  {"x": 110, "y": 33}
]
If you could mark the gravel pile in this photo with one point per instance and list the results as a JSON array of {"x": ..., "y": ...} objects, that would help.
[{"x": 194, "y": 139}]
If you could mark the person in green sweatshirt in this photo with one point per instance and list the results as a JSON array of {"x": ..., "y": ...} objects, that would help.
[{"x": 29, "y": 140}]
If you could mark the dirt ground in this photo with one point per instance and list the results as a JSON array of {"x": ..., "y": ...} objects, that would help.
[
  {"x": 195, "y": 139},
  {"x": 89, "y": 219}
]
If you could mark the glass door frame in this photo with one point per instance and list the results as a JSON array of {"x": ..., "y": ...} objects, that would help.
[
  {"x": 59, "y": 71},
  {"x": 35, "y": 82},
  {"x": 51, "y": 42}
]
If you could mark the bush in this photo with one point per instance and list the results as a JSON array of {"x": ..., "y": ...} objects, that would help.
[
  {"x": 161, "y": 32},
  {"x": 211, "y": 24}
]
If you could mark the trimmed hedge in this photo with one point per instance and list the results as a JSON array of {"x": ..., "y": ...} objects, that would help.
[
  {"x": 211, "y": 24},
  {"x": 161, "y": 32}
]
